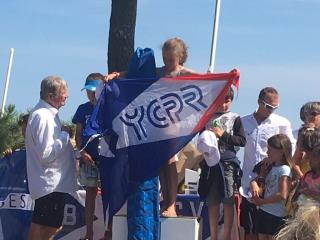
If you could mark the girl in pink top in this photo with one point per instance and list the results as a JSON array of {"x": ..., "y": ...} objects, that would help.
[{"x": 310, "y": 184}]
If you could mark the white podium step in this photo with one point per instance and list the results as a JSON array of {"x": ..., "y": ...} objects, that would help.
[{"x": 179, "y": 228}]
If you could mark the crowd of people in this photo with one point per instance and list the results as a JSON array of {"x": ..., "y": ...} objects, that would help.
[{"x": 280, "y": 175}]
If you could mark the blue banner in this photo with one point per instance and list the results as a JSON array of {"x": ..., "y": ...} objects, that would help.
[
  {"x": 15, "y": 202},
  {"x": 16, "y": 205}
]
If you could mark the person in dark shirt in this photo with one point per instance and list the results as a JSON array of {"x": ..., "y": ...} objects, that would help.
[
  {"x": 89, "y": 173},
  {"x": 228, "y": 129}
]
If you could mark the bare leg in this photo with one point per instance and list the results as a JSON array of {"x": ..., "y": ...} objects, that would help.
[
  {"x": 164, "y": 189},
  {"x": 213, "y": 213},
  {"x": 91, "y": 193},
  {"x": 38, "y": 231},
  {"x": 171, "y": 185},
  {"x": 251, "y": 237},
  {"x": 228, "y": 220},
  {"x": 172, "y": 189}
]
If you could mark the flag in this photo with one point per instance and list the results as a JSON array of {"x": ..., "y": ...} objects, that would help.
[
  {"x": 146, "y": 120},
  {"x": 16, "y": 204}
]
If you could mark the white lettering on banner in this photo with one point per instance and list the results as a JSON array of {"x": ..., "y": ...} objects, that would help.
[
  {"x": 20, "y": 201},
  {"x": 165, "y": 110},
  {"x": 70, "y": 217},
  {"x": 193, "y": 209},
  {"x": 179, "y": 205}
]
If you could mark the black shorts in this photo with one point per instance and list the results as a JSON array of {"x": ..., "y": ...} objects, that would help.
[
  {"x": 49, "y": 210},
  {"x": 268, "y": 223},
  {"x": 248, "y": 216}
]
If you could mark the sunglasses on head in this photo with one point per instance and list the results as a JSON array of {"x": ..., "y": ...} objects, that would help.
[{"x": 269, "y": 106}]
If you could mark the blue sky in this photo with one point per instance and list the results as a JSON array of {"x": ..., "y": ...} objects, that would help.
[{"x": 273, "y": 43}]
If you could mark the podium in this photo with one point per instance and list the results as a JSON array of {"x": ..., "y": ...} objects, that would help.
[{"x": 178, "y": 228}]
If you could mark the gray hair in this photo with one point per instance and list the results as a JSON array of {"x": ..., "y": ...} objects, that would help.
[
  {"x": 308, "y": 109},
  {"x": 51, "y": 85}
]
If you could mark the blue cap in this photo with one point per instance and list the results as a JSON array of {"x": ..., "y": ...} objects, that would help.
[{"x": 91, "y": 85}]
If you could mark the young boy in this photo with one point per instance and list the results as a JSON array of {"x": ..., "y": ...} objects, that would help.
[
  {"x": 89, "y": 173},
  {"x": 228, "y": 129}
]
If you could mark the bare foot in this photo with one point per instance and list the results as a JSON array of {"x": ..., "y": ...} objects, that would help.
[
  {"x": 162, "y": 209},
  {"x": 170, "y": 212}
]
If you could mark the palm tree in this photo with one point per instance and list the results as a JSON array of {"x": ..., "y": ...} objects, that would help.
[
  {"x": 10, "y": 134},
  {"x": 121, "y": 34}
]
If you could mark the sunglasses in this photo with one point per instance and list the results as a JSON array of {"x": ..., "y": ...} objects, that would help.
[{"x": 269, "y": 106}]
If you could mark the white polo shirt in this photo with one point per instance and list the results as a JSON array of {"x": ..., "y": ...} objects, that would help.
[
  {"x": 257, "y": 145},
  {"x": 50, "y": 157}
]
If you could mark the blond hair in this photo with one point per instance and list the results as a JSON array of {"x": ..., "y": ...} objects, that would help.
[
  {"x": 178, "y": 47},
  {"x": 305, "y": 225}
]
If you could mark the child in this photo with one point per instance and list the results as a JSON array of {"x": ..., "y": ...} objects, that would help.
[
  {"x": 310, "y": 115},
  {"x": 228, "y": 129},
  {"x": 174, "y": 54},
  {"x": 309, "y": 188},
  {"x": 305, "y": 223},
  {"x": 301, "y": 163},
  {"x": 88, "y": 170},
  {"x": 272, "y": 212}
]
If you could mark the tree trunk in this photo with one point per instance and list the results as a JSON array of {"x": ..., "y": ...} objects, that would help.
[{"x": 121, "y": 34}]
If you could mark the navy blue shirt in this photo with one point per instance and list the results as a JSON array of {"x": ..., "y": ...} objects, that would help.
[{"x": 83, "y": 114}]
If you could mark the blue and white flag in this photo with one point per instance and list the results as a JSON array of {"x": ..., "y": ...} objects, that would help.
[
  {"x": 147, "y": 121},
  {"x": 16, "y": 204}
]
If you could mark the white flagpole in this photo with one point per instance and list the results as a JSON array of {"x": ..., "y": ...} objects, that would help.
[
  {"x": 5, "y": 91},
  {"x": 214, "y": 37}
]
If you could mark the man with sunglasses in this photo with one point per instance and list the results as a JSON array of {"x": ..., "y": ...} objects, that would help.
[{"x": 259, "y": 127}]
